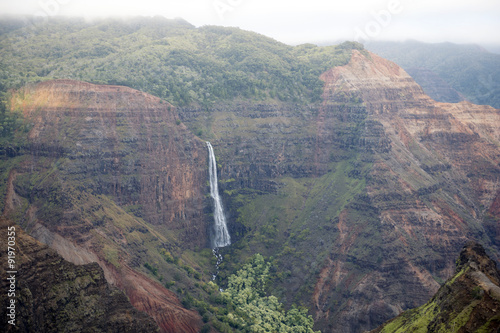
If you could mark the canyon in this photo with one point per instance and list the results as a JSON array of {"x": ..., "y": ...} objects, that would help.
[
  {"x": 385, "y": 182},
  {"x": 361, "y": 200}
]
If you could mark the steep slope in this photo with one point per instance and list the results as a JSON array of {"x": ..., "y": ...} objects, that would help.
[
  {"x": 431, "y": 187},
  {"x": 134, "y": 139},
  {"x": 54, "y": 295},
  {"x": 360, "y": 191},
  {"x": 106, "y": 174},
  {"x": 468, "y": 302}
]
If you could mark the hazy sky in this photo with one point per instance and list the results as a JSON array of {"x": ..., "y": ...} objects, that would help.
[{"x": 293, "y": 22}]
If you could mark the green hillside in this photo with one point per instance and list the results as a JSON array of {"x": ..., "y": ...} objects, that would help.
[{"x": 170, "y": 59}]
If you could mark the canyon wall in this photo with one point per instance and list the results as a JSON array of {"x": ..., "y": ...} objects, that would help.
[
  {"x": 54, "y": 295},
  {"x": 469, "y": 301},
  {"x": 108, "y": 174},
  {"x": 434, "y": 177}
]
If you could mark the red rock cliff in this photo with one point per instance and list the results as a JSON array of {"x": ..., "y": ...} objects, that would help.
[
  {"x": 108, "y": 174},
  {"x": 127, "y": 143},
  {"x": 434, "y": 183}
]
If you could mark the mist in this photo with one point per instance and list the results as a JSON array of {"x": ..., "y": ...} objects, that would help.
[{"x": 296, "y": 22}]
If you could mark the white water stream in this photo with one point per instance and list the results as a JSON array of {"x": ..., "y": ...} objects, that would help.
[{"x": 221, "y": 235}]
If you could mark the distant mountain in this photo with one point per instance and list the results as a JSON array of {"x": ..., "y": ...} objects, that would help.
[
  {"x": 435, "y": 86},
  {"x": 469, "y": 301},
  {"x": 469, "y": 70}
]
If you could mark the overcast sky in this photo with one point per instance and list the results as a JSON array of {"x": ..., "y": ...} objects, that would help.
[{"x": 294, "y": 22}]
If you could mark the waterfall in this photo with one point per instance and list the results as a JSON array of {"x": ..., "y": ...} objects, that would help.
[{"x": 221, "y": 236}]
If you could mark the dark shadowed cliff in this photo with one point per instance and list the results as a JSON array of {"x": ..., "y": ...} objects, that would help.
[
  {"x": 54, "y": 295},
  {"x": 468, "y": 302}
]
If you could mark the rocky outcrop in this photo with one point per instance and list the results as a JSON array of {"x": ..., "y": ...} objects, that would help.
[
  {"x": 469, "y": 301},
  {"x": 54, "y": 295},
  {"x": 108, "y": 174}
]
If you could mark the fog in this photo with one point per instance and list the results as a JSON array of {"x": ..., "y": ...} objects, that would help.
[{"x": 295, "y": 22}]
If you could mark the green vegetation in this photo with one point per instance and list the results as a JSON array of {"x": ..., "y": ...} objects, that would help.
[
  {"x": 152, "y": 269},
  {"x": 243, "y": 306},
  {"x": 486, "y": 327},
  {"x": 299, "y": 225},
  {"x": 167, "y": 58},
  {"x": 254, "y": 312},
  {"x": 248, "y": 309},
  {"x": 10, "y": 120},
  {"x": 459, "y": 305},
  {"x": 200, "y": 66},
  {"x": 415, "y": 320},
  {"x": 419, "y": 320},
  {"x": 65, "y": 201}
]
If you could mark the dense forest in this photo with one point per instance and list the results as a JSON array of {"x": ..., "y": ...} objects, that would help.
[{"x": 170, "y": 59}]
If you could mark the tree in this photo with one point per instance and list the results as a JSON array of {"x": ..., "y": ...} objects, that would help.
[{"x": 252, "y": 311}]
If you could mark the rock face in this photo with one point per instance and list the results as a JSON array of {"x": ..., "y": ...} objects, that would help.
[
  {"x": 468, "y": 302},
  {"x": 126, "y": 144},
  {"x": 108, "y": 174},
  {"x": 54, "y": 295},
  {"x": 434, "y": 177}
]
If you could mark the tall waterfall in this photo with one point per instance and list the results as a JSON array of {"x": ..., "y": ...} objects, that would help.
[{"x": 221, "y": 236}]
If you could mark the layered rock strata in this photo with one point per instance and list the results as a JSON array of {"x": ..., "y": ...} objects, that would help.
[
  {"x": 385, "y": 184},
  {"x": 108, "y": 174},
  {"x": 434, "y": 178}
]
